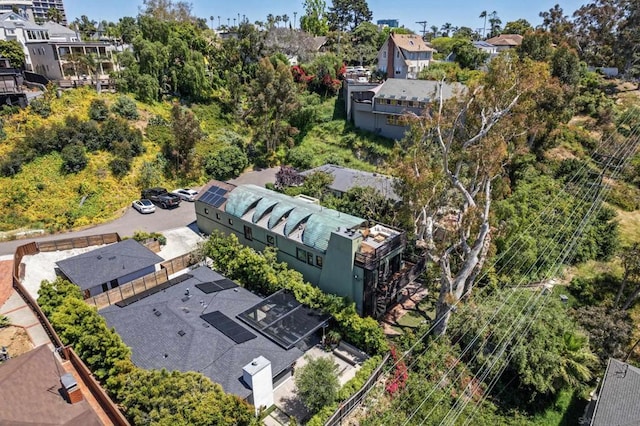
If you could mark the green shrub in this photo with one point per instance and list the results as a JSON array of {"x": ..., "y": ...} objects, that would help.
[
  {"x": 227, "y": 163},
  {"x": 143, "y": 236},
  {"x": 41, "y": 107},
  {"x": 125, "y": 107},
  {"x": 120, "y": 166},
  {"x": 74, "y": 158},
  {"x": 98, "y": 110},
  {"x": 4, "y": 321}
]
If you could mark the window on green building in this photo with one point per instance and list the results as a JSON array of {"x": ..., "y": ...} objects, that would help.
[
  {"x": 248, "y": 232},
  {"x": 301, "y": 254}
]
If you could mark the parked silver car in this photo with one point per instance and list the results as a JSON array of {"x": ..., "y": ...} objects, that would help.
[
  {"x": 144, "y": 206},
  {"x": 186, "y": 194}
]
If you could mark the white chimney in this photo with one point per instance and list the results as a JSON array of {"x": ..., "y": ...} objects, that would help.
[{"x": 257, "y": 374}]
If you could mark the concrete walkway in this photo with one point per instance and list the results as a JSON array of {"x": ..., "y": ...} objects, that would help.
[{"x": 19, "y": 314}]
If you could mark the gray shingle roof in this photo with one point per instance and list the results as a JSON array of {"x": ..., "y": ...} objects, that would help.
[
  {"x": 202, "y": 348},
  {"x": 420, "y": 90},
  {"x": 619, "y": 399},
  {"x": 344, "y": 179},
  {"x": 107, "y": 263},
  {"x": 13, "y": 20}
]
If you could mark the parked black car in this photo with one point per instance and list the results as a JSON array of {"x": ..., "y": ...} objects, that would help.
[{"x": 161, "y": 197}]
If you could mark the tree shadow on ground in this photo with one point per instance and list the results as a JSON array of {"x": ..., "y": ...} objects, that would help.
[{"x": 294, "y": 407}]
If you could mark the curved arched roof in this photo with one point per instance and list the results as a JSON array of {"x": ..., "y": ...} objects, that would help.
[{"x": 320, "y": 221}]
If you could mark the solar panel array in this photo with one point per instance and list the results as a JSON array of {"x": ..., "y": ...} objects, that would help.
[
  {"x": 215, "y": 286},
  {"x": 214, "y": 196},
  {"x": 228, "y": 327}
]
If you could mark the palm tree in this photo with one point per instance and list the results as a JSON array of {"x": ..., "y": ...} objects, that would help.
[
  {"x": 576, "y": 360},
  {"x": 270, "y": 20},
  {"x": 484, "y": 27},
  {"x": 211, "y": 18},
  {"x": 285, "y": 19},
  {"x": 434, "y": 29},
  {"x": 218, "y": 21},
  {"x": 494, "y": 24},
  {"x": 446, "y": 28},
  {"x": 54, "y": 14}
]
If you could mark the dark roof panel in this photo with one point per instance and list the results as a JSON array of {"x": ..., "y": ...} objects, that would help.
[{"x": 228, "y": 327}]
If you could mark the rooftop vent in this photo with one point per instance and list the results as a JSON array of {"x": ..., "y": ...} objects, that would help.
[
  {"x": 112, "y": 258},
  {"x": 99, "y": 257},
  {"x": 181, "y": 333}
]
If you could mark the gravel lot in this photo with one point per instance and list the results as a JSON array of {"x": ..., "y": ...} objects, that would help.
[{"x": 42, "y": 265}]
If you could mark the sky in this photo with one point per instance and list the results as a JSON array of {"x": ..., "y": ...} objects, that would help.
[{"x": 435, "y": 12}]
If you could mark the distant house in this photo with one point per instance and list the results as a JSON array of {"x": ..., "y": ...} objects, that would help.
[
  {"x": 16, "y": 27},
  {"x": 345, "y": 179},
  {"x": 62, "y": 60},
  {"x": 36, "y": 390},
  {"x": 404, "y": 56},
  {"x": 59, "y": 32},
  {"x": 205, "y": 322},
  {"x": 505, "y": 41},
  {"x": 618, "y": 402},
  {"x": 108, "y": 267},
  {"x": 382, "y": 109},
  {"x": 339, "y": 253},
  {"x": 485, "y": 47}
]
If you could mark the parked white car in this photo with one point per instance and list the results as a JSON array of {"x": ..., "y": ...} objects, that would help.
[
  {"x": 186, "y": 194},
  {"x": 144, "y": 206}
]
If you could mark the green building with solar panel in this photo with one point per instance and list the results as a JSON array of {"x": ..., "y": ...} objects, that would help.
[{"x": 339, "y": 253}]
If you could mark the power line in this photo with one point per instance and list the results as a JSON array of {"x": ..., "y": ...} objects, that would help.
[{"x": 566, "y": 252}]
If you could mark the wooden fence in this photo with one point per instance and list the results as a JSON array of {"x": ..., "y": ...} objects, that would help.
[
  {"x": 109, "y": 407},
  {"x": 129, "y": 289},
  {"x": 94, "y": 387},
  {"x": 179, "y": 263},
  {"x": 356, "y": 399},
  {"x": 141, "y": 284},
  {"x": 78, "y": 242}
]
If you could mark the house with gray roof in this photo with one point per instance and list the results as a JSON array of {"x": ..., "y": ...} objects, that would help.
[
  {"x": 618, "y": 402},
  {"x": 384, "y": 109},
  {"x": 337, "y": 252},
  {"x": 345, "y": 179},
  {"x": 195, "y": 325},
  {"x": 109, "y": 267}
]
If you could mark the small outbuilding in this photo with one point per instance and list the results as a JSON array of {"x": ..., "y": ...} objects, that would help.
[{"x": 108, "y": 267}]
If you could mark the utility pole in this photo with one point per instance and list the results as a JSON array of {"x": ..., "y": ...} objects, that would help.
[{"x": 424, "y": 27}]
